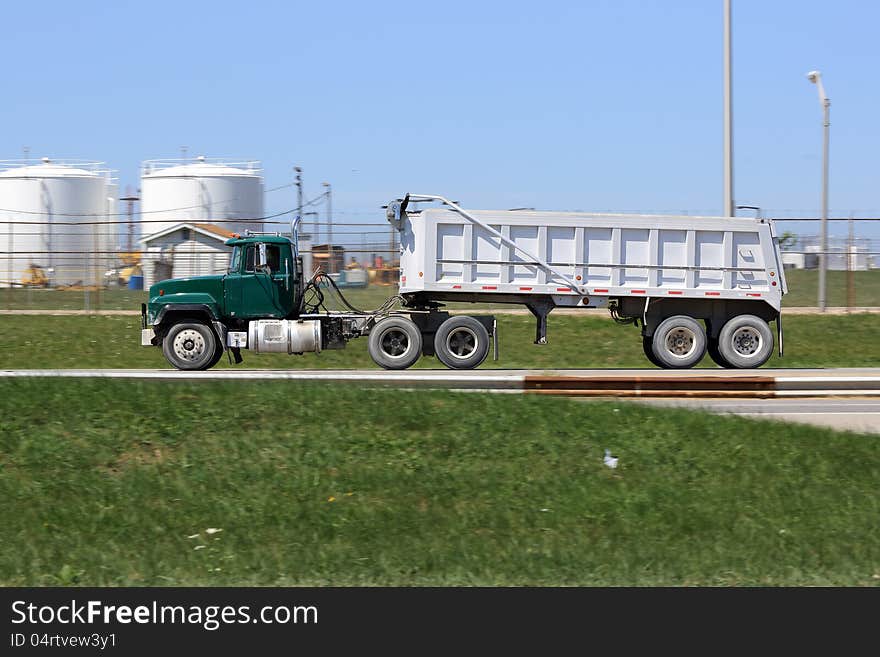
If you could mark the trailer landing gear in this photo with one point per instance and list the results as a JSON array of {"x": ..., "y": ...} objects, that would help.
[{"x": 540, "y": 308}]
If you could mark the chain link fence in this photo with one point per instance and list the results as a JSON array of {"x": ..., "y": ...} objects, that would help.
[{"x": 362, "y": 257}]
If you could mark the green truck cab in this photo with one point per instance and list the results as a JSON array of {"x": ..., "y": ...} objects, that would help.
[
  {"x": 260, "y": 305},
  {"x": 191, "y": 318}
]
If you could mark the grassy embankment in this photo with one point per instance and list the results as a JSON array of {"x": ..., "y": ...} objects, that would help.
[
  {"x": 118, "y": 483},
  {"x": 575, "y": 342}
]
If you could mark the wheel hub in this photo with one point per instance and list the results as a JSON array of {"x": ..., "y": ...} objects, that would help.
[
  {"x": 189, "y": 344},
  {"x": 680, "y": 341},
  {"x": 461, "y": 343},
  {"x": 746, "y": 341},
  {"x": 395, "y": 343}
]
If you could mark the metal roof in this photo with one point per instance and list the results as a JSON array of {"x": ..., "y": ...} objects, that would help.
[{"x": 210, "y": 230}]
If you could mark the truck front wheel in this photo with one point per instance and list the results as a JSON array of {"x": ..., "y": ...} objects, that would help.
[{"x": 190, "y": 346}]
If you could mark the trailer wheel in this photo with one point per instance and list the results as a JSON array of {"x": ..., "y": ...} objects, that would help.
[
  {"x": 715, "y": 354},
  {"x": 395, "y": 343},
  {"x": 679, "y": 342},
  {"x": 648, "y": 348},
  {"x": 712, "y": 346},
  {"x": 190, "y": 346},
  {"x": 745, "y": 341},
  {"x": 461, "y": 343}
]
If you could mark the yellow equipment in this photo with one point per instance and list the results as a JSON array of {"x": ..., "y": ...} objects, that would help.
[
  {"x": 130, "y": 262},
  {"x": 35, "y": 276}
]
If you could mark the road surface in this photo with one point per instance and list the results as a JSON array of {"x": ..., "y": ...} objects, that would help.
[
  {"x": 842, "y": 398},
  {"x": 861, "y": 415}
]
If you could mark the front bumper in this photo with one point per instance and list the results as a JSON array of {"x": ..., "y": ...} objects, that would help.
[
  {"x": 147, "y": 334},
  {"x": 147, "y": 337}
]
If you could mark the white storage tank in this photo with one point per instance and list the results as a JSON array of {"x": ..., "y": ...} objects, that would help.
[
  {"x": 56, "y": 215},
  {"x": 228, "y": 194}
]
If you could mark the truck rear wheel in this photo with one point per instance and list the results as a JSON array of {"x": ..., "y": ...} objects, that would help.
[
  {"x": 190, "y": 346},
  {"x": 461, "y": 343},
  {"x": 745, "y": 341},
  {"x": 395, "y": 343},
  {"x": 679, "y": 342}
]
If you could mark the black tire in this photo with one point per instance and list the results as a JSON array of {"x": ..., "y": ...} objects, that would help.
[
  {"x": 461, "y": 343},
  {"x": 395, "y": 343},
  {"x": 715, "y": 354},
  {"x": 745, "y": 342},
  {"x": 190, "y": 346},
  {"x": 648, "y": 348},
  {"x": 679, "y": 342},
  {"x": 218, "y": 354}
]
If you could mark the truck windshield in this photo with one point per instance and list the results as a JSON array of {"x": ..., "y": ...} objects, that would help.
[{"x": 235, "y": 260}]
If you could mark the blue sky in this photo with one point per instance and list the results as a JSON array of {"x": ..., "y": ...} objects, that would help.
[{"x": 588, "y": 105}]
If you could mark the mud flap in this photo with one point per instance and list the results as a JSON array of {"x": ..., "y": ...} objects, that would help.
[{"x": 779, "y": 332}]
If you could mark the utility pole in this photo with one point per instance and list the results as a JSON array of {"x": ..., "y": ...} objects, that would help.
[
  {"x": 313, "y": 237},
  {"x": 299, "y": 191},
  {"x": 130, "y": 198},
  {"x": 728, "y": 116},
  {"x": 330, "y": 253},
  {"x": 299, "y": 200}
]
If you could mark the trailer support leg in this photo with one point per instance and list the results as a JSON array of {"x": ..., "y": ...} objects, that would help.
[{"x": 540, "y": 309}]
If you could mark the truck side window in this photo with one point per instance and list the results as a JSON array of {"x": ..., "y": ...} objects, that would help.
[
  {"x": 273, "y": 257},
  {"x": 235, "y": 260}
]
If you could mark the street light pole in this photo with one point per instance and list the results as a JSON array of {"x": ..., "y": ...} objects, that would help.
[
  {"x": 816, "y": 78},
  {"x": 728, "y": 116},
  {"x": 329, "y": 228}
]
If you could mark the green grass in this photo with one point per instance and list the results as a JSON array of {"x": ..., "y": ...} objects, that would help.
[
  {"x": 574, "y": 342},
  {"x": 116, "y": 483},
  {"x": 40, "y": 299},
  {"x": 802, "y": 286}
]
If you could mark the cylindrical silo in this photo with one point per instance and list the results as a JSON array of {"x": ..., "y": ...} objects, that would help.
[
  {"x": 54, "y": 215},
  {"x": 228, "y": 194}
]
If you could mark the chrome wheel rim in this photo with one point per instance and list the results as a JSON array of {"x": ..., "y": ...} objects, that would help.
[
  {"x": 681, "y": 342},
  {"x": 189, "y": 345},
  {"x": 462, "y": 343}
]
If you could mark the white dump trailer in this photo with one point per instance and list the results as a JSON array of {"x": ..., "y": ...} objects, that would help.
[{"x": 693, "y": 284}]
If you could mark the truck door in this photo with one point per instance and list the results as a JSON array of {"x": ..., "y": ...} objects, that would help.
[{"x": 255, "y": 292}]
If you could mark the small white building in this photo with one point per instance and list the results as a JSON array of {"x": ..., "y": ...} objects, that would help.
[{"x": 184, "y": 250}]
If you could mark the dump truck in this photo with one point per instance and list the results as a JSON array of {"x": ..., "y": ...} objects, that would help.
[{"x": 691, "y": 284}]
